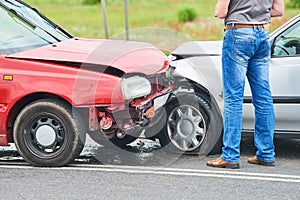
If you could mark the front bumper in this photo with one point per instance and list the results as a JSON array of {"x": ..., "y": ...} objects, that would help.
[{"x": 139, "y": 111}]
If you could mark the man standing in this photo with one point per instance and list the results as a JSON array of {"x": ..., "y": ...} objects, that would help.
[{"x": 246, "y": 53}]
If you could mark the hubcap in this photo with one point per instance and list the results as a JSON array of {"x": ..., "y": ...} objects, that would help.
[
  {"x": 186, "y": 128},
  {"x": 45, "y": 135}
]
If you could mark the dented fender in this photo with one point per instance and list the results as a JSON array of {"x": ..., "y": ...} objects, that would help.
[{"x": 200, "y": 62}]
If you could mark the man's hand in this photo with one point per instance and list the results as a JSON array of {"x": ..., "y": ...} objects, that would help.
[
  {"x": 277, "y": 8},
  {"x": 222, "y": 9}
]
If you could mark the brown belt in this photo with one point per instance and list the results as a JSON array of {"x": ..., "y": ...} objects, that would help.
[{"x": 265, "y": 26}]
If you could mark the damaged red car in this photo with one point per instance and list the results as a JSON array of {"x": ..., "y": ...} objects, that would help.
[{"x": 55, "y": 88}]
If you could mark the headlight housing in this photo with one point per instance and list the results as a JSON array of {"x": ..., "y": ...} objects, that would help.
[{"x": 135, "y": 86}]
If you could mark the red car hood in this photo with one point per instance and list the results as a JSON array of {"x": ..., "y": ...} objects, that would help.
[{"x": 129, "y": 57}]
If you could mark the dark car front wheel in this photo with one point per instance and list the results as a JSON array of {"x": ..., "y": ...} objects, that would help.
[
  {"x": 48, "y": 132},
  {"x": 193, "y": 125}
]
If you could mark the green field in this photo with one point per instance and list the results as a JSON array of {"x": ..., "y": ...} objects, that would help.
[{"x": 161, "y": 15}]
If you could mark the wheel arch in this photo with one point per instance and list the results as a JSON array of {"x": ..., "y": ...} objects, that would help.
[
  {"x": 199, "y": 89},
  {"x": 21, "y": 103}
]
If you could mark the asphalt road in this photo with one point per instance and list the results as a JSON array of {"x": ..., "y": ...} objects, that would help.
[{"x": 145, "y": 171}]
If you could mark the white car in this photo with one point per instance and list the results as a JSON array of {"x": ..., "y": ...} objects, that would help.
[{"x": 197, "y": 66}]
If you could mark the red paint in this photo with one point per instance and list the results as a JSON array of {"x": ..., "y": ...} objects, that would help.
[{"x": 42, "y": 71}]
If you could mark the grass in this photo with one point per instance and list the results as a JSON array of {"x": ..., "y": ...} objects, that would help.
[{"x": 161, "y": 15}]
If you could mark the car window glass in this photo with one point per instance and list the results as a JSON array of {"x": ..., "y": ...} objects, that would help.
[
  {"x": 35, "y": 18},
  {"x": 16, "y": 35},
  {"x": 288, "y": 43}
]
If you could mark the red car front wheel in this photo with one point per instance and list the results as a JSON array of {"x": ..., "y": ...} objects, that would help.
[{"x": 48, "y": 132}]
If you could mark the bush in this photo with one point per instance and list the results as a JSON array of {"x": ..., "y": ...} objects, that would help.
[
  {"x": 294, "y": 3},
  {"x": 90, "y": 2},
  {"x": 187, "y": 15}
]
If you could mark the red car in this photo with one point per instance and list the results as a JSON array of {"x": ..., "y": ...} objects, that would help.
[{"x": 55, "y": 88}]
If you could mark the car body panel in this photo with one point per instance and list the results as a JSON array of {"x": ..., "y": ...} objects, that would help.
[
  {"x": 131, "y": 57},
  {"x": 201, "y": 63}
]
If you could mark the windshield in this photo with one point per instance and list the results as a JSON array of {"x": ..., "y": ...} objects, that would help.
[
  {"x": 22, "y": 28},
  {"x": 34, "y": 16}
]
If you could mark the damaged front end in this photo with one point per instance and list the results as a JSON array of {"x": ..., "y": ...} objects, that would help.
[{"x": 144, "y": 98}]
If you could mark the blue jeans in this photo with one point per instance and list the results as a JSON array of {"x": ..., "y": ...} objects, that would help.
[{"x": 246, "y": 53}]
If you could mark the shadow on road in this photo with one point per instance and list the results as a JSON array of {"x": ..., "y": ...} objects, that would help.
[
  {"x": 150, "y": 153},
  {"x": 284, "y": 148},
  {"x": 147, "y": 152}
]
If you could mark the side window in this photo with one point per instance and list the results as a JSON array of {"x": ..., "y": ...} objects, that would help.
[{"x": 288, "y": 43}]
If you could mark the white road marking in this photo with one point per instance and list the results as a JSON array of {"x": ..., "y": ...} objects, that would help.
[{"x": 170, "y": 171}]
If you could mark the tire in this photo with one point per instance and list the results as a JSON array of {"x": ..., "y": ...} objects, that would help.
[
  {"x": 193, "y": 125},
  {"x": 47, "y": 133}
]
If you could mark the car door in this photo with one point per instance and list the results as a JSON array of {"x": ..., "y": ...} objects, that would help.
[{"x": 284, "y": 80}]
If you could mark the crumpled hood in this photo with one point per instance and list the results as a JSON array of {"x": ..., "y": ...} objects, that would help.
[
  {"x": 129, "y": 57},
  {"x": 199, "y": 48}
]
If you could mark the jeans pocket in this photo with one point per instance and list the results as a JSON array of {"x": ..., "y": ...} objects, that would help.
[
  {"x": 241, "y": 49},
  {"x": 264, "y": 52}
]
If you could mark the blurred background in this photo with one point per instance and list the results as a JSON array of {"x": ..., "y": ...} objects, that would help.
[{"x": 192, "y": 18}]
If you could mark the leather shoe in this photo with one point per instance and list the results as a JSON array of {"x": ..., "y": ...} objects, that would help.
[
  {"x": 255, "y": 160},
  {"x": 223, "y": 164}
]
